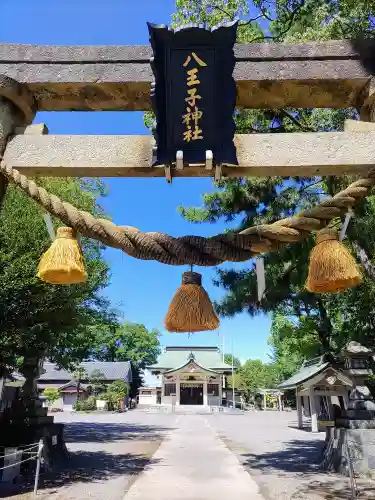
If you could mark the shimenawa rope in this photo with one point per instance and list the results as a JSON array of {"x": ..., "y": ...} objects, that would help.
[{"x": 233, "y": 247}]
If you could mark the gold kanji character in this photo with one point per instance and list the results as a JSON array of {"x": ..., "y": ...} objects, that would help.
[
  {"x": 198, "y": 60},
  {"x": 197, "y": 134},
  {"x": 192, "y": 77},
  {"x": 187, "y": 117},
  {"x": 191, "y": 100},
  {"x": 188, "y": 135},
  {"x": 196, "y": 115},
  {"x": 190, "y": 115}
]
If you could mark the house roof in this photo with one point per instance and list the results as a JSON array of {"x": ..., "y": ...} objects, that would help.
[
  {"x": 176, "y": 357},
  {"x": 308, "y": 370},
  {"x": 112, "y": 371}
]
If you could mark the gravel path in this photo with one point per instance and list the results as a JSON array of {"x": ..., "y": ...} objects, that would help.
[{"x": 281, "y": 458}]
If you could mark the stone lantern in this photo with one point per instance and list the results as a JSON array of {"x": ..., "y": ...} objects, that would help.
[{"x": 359, "y": 366}]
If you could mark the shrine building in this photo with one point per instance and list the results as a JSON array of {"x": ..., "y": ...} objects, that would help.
[{"x": 189, "y": 376}]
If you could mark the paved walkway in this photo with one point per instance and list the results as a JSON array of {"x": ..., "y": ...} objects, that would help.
[{"x": 193, "y": 463}]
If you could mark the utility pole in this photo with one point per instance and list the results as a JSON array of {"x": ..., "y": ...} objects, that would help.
[
  {"x": 233, "y": 381},
  {"x": 222, "y": 346}
]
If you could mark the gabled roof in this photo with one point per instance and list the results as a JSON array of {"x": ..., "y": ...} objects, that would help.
[
  {"x": 174, "y": 357},
  {"x": 308, "y": 370},
  {"x": 72, "y": 386},
  {"x": 191, "y": 361},
  {"x": 115, "y": 370}
]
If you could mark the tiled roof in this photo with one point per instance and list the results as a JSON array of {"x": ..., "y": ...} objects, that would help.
[
  {"x": 308, "y": 370},
  {"x": 115, "y": 370},
  {"x": 175, "y": 357}
]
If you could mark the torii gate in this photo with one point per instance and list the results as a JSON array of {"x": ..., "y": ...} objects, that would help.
[
  {"x": 118, "y": 78},
  {"x": 45, "y": 78}
]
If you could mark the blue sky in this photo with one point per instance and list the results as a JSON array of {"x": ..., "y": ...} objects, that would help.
[{"x": 142, "y": 290}]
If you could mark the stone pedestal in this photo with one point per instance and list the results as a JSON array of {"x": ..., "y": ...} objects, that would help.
[
  {"x": 27, "y": 422},
  {"x": 357, "y": 441}
]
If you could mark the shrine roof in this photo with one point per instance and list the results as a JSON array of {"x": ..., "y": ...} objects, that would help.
[
  {"x": 309, "y": 369},
  {"x": 176, "y": 357}
]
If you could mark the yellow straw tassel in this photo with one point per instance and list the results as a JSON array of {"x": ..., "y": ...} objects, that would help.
[
  {"x": 332, "y": 268},
  {"x": 191, "y": 309},
  {"x": 62, "y": 263}
]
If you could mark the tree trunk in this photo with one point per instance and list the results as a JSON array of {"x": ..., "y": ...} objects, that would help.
[
  {"x": 325, "y": 328},
  {"x": 364, "y": 259},
  {"x": 78, "y": 388}
]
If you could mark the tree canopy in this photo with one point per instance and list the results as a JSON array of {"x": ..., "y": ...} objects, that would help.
[
  {"x": 228, "y": 361},
  {"x": 128, "y": 342},
  {"x": 37, "y": 319}
]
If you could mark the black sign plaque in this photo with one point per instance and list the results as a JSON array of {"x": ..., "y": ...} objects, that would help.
[{"x": 194, "y": 93}]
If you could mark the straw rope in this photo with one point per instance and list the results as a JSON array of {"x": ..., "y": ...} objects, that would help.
[
  {"x": 195, "y": 249},
  {"x": 164, "y": 248}
]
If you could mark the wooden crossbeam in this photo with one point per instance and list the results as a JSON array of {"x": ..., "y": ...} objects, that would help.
[
  {"x": 304, "y": 154},
  {"x": 332, "y": 74}
]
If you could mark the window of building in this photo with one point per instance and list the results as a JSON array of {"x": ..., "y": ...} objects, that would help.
[
  {"x": 146, "y": 393},
  {"x": 169, "y": 389},
  {"x": 213, "y": 389}
]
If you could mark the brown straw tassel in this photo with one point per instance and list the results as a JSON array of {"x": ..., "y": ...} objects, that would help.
[
  {"x": 332, "y": 268},
  {"x": 191, "y": 308},
  {"x": 62, "y": 263}
]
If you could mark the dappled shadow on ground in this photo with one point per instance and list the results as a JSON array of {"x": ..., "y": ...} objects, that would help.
[
  {"x": 85, "y": 467},
  {"x": 298, "y": 457},
  {"x": 95, "y": 432},
  {"x": 302, "y": 459}
]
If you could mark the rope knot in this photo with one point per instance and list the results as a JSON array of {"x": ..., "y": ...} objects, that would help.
[
  {"x": 191, "y": 278},
  {"x": 328, "y": 233},
  {"x": 66, "y": 232}
]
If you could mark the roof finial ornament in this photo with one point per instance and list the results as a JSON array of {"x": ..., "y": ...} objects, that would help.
[{"x": 191, "y": 356}]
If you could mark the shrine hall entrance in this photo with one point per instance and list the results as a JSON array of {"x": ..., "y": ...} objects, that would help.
[{"x": 191, "y": 394}]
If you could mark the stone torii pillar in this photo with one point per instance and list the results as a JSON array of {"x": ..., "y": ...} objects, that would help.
[{"x": 16, "y": 109}]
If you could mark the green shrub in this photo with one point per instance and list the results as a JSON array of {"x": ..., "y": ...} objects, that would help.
[
  {"x": 116, "y": 392},
  {"x": 51, "y": 394},
  {"x": 88, "y": 404}
]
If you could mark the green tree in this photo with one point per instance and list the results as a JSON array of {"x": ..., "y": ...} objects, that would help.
[
  {"x": 79, "y": 375},
  {"x": 292, "y": 340},
  {"x": 36, "y": 319},
  {"x": 51, "y": 394},
  {"x": 254, "y": 375},
  {"x": 116, "y": 392},
  {"x": 228, "y": 361},
  {"x": 129, "y": 342},
  {"x": 97, "y": 382}
]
